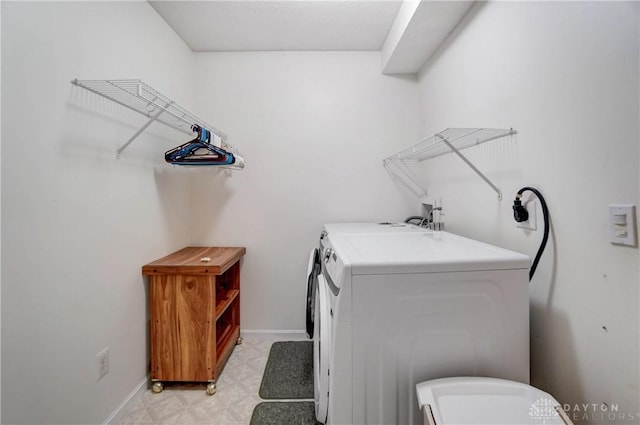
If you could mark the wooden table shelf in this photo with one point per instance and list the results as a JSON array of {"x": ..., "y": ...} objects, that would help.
[
  {"x": 195, "y": 313},
  {"x": 223, "y": 303}
]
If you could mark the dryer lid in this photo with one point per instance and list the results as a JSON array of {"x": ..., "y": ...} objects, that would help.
[
  {"x": 372, "y": 228},
  {"x": 422, "y": 252},
  {"x": 487, "y": 401}
]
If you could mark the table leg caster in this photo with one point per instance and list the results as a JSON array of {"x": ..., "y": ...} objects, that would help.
[
  {"x": 239, "y": 341},
  {"x": 157, "y": 387},
  {"x": 211, "y": 388}
]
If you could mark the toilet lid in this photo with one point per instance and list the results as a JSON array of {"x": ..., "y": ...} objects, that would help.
[{"x": 493, "y": 401}]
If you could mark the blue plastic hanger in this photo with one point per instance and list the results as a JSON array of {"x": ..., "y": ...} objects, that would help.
[{"x": 188, "y": 153}]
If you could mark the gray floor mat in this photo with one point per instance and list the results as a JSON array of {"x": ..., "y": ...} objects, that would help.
[
  {"x": 284, "y": 413},
  {"x": 289, "y": 371}
]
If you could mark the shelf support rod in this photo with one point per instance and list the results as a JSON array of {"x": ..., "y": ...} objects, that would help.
[
  {"x": 139, "y": 132},
  {"x": 405, "y": 177},
  {"x": 473, "y": 167}
]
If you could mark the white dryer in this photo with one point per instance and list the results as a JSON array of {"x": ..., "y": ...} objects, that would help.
[
  {"x": 322, "y": 295},
  {"x": 399, "y": 308}
]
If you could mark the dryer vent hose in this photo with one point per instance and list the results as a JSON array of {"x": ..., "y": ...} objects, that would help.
[{"x": 520, "y": 214}]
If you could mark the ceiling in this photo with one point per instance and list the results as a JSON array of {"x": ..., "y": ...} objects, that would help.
[{"x": 315, "y": 25}]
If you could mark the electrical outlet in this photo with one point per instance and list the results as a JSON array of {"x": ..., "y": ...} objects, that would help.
[
  {"x": 531, "y": 223},
  {"x": 103, "y": 363}
]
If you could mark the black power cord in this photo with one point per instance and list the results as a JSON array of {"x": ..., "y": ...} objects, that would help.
[{"x": 520, "y": 214}]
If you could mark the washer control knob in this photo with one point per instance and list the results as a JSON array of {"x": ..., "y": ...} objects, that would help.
[{"x": 327, "y": 254}]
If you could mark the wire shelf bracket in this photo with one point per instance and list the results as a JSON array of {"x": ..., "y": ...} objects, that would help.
[
  {"x": 142, "y": 98},
  {"x": 447, "y": 141}
]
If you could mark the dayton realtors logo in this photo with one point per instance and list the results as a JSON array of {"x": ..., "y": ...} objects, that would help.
[
  {"x": 599, "y": 413},
  {"x": 543, "y": 410},
  {"x": 547, "y": 411}
]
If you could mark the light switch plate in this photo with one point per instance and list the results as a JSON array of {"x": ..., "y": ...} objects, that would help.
[{"x": 622, "y": 224}]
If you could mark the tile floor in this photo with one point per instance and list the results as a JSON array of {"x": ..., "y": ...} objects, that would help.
[{"x": 188, "y": 404}]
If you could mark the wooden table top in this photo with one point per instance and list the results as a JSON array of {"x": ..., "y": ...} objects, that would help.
[{"x": 194, "y": 261}]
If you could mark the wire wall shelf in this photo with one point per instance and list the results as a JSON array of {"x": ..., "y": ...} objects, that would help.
[
  {"x": 142, "y": 98},
  {"x": 450, "y": 140}
]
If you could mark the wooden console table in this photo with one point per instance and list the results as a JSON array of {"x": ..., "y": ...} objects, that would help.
[{"x": 195, "y": 314}]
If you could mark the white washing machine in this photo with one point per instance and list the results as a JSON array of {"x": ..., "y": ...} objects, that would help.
[
  {"x": 321, "y": 299},
  {"x": 396, "y": 308},
  {"x": 314, "y": 267}
]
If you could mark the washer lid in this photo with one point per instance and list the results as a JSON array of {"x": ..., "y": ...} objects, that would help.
[
  {"x": 492, "y": 401},
  {"x": 372, "y": 228},
  {"x": 421, "y": 252}
]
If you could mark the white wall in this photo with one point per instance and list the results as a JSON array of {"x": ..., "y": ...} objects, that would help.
[
  {"x": 313, "y": 127},
  {"x": 0, "y": 222},
  {"x": 77, "y": 224},
  {"x": 565, "y": 76}
]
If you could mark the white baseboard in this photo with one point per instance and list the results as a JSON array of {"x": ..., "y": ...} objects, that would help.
[
  {"x": 278, "y": 335},
  {"x": 137, "y": 392}
]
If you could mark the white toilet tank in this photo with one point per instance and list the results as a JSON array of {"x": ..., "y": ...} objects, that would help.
[{"x": 487, "y": 401}]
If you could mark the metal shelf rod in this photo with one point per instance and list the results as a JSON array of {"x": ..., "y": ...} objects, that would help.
[
  {"x": 473, "y": 167},
  {"x": 137, "y": 133}
]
